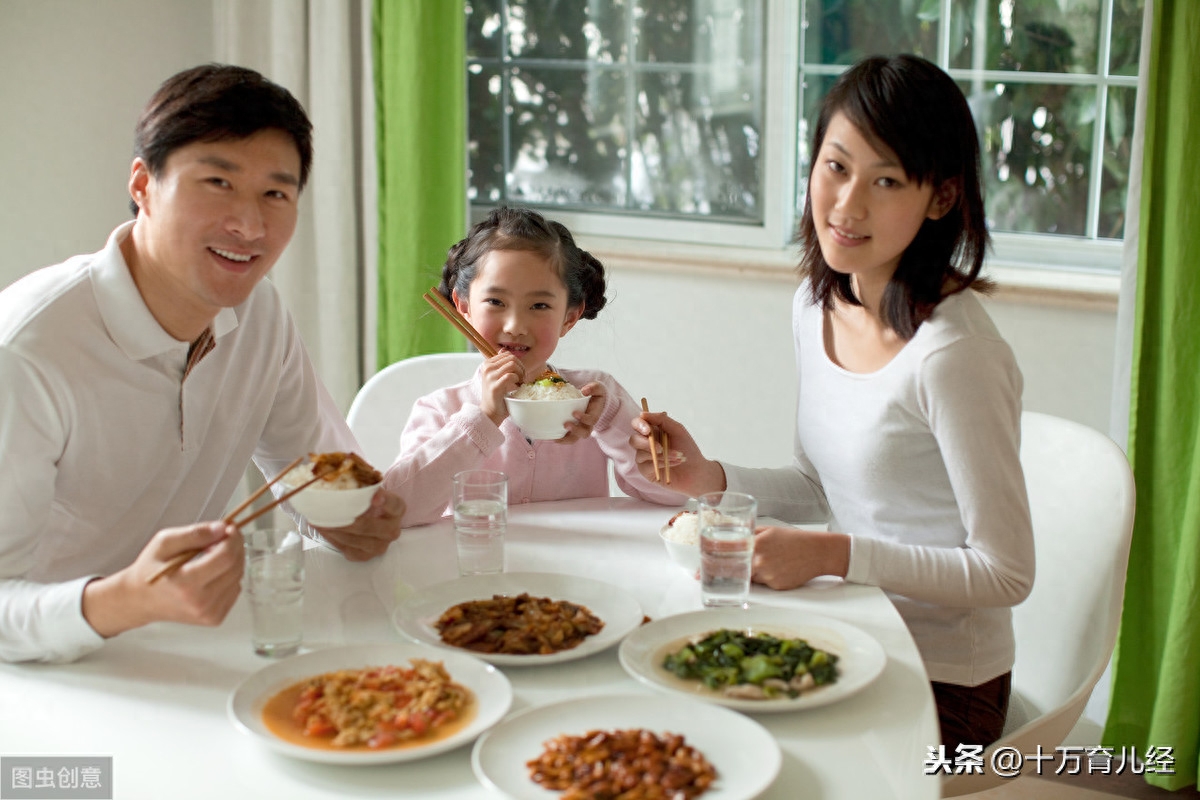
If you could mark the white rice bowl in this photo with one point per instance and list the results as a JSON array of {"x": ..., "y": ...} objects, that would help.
[
  {"x": 328, "y": 504},
  {"x": 540, "y": 410}
]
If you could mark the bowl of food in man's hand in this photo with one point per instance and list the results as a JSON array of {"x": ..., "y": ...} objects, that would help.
[
  {"x": 343, "y": 492},
  {"x": 541, "y": 408}
]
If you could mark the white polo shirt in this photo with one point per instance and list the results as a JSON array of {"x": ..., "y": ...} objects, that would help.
[{"x": 103, "y": 442}]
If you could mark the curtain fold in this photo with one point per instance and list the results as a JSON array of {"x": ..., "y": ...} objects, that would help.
[
  {"x": 420, "y": 86},
  {"x": 314, "y": 49},
  {"x": 1156, "y": 681}
]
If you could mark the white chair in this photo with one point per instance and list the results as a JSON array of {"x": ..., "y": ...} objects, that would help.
[
  {"x": 382, "y": 406},
  {"x": 1081, "y": 495}
]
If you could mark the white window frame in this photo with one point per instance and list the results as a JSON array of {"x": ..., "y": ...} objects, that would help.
[{"x": 1076, "y": 267}]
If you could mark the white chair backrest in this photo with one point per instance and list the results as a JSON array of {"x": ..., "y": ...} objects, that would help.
[
  {"x": 1081, "y": 496},
  {"x": 382, "y": 406}
]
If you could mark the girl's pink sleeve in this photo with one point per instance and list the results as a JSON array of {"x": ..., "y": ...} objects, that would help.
[{"x": 444, "y": 435}]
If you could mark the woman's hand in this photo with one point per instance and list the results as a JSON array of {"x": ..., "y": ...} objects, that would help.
[
  {"x": 785, "y": 558},
  {"x": 585, "y": 420},
  {"x": 499, "y": 375},
  {"x": 691, "y": 472}
]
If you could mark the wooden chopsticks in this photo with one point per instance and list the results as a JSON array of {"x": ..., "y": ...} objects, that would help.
[
  {"x": 665, "y": 475},
  {"x": 447, "y": 310},
  {"x": 187, "y": 555}
]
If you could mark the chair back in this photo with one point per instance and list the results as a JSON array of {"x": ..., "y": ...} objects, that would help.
[
  {"x": 1081, "y": 497},
  {"x": 382, "y": 406}
]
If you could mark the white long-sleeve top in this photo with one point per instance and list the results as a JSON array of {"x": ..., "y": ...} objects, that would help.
[
  {"x": 447, "y": 432},
  {"x": 919, "y": 463},
  {"x": 103, "y": 442}
]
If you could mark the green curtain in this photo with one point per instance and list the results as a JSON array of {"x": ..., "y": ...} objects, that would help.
[
  {"x": 1156, "y": 679},
  {"x": 420, "y": 89}
]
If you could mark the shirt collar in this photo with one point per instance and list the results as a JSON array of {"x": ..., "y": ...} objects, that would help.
[{"x": 125, "y": 313}]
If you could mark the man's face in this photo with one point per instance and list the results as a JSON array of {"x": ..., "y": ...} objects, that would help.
[{"x": 211, "y": 225}]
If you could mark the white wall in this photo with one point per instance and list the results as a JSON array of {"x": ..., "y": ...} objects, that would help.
[{"x": 74, "y": 74}]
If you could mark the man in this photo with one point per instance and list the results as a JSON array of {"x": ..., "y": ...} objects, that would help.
[{"x": 138, "y": 382}]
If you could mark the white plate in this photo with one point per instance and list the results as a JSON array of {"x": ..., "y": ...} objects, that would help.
[
  {"x": 618, "y": 610},
  {"x": 860, "y": 657},
  {"x": 493, "y": 696},
  {"x": 745, "y": 755}
]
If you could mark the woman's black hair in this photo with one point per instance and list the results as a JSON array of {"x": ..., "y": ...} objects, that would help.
[
  {"x": 509, "y": 228},
  {"x": 909, "y": 106}
]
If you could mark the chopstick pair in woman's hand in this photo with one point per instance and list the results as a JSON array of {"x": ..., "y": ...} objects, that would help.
[
  {"x": 179, "y": 559},
  {"x": 665, "y": 475}
]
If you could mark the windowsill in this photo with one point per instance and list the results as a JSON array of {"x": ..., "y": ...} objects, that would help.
[{"x": 1058, "y": 286}]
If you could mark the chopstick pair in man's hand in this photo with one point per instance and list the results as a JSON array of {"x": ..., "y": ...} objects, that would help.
[
  {"x": 179, "y": 559},
  {"x": 665, "y": 475}
]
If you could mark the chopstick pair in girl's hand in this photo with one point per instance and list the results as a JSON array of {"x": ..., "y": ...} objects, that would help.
[
  {"x": 450, "y": 313},
  {"x": 179, "y": 559},
  {"x": 665, "y": 475}
]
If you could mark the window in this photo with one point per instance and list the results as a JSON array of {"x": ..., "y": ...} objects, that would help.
[{"x": 688, "y": 120}]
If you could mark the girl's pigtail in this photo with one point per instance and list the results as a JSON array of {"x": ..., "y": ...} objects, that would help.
[
  {"x": 592, "y": 278},
  {"x": 451, "y": 269}
]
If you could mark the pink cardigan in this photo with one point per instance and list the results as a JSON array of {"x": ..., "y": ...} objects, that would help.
[{"x": 448, "y": 433}]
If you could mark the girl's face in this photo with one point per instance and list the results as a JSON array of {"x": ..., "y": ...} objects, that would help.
[
  {"x": 865, "y": 209},
  {"x": 519, "y": 304}
]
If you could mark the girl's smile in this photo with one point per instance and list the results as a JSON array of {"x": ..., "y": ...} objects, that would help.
[{"x": 518, "y": 303}]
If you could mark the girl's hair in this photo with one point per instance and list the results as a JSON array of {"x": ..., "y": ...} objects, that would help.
[
  {"x": 909, "y": 106},
  {"x": 507, "y": 228}
]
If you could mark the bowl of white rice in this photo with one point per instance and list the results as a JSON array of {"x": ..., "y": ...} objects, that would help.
[
  {"x": 540, "y": 408},
  {"x": 681, "y": 535},
  {"x": 339, "y": 498}
]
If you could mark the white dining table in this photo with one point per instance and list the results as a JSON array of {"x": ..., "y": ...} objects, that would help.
[{"x": 155, "y": 699}]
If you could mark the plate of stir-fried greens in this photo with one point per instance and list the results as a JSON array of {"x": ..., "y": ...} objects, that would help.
[{"x": 758, "y": 659}]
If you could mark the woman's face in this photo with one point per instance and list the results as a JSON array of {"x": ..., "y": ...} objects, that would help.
[
  {"x": 519, "y": 304},
  {"x": 866, "y": 210}
]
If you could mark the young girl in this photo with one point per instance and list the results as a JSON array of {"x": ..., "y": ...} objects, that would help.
[
  {"x": 909, "y": 403},
  {"x": 522, "y": 283}
]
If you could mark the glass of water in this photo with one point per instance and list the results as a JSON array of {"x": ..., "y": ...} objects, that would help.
[
  {"x": 727, "y": 521},
  {"x": 275, "y": 586},
  {"x": 480, "y": 519}
]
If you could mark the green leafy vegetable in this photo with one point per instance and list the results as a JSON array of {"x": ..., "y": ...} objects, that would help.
[{"x": 727, "y": 658}]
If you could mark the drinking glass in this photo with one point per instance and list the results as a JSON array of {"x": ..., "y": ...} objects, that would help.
[
  {"x": 275, "y": 586},
  {"x": 727, "y": 521},
  {"x": 480, "y": 519}
]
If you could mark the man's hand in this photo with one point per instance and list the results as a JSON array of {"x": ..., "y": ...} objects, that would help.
[
  {"x": 370, "y": 534},
  {"x": 200, "y": 592}
]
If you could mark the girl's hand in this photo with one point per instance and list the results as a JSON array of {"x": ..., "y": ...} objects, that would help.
[
  {"x": 691, "y": 472},
  {"x": 785, "y": 558},
  {"x": 586, "y": 420},
  {"x": 501, "y": 374}
]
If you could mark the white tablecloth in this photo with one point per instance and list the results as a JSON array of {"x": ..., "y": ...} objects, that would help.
[{"x": 155, "y": 698}]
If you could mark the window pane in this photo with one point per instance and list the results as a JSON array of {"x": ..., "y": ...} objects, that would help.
[
  {"x": 1114, "y": 182},
  {"x": 485, "y": 139},
  {"x": 844, "y": 31},
  {"x": 1026, "y": 36},
  {"x": 812, "y": 91},
  {"x": 576, "y": 30},
  {"x": 697, "y": 148},
  {"x": 483, "y": 28},
  {"x": 1126, "y": 43},
  {"x": 568, "y": 137},
  {"x": 698, "y": 31},
  {"x": 1037, "y": 149}
]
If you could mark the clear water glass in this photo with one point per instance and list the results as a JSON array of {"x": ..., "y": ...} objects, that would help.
[
  {"x": 480, "y": 520},
  {"x": 727, "y": 522},
  {"x": 275, "y": 586}
]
